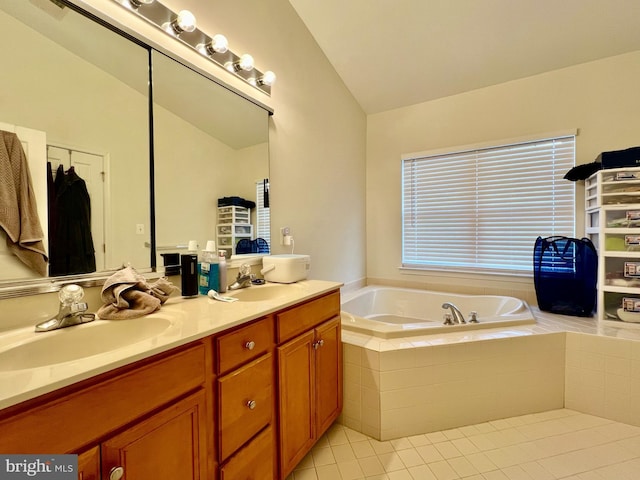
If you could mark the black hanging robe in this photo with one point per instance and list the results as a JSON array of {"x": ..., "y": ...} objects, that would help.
[{"x": 70, "y": 242}]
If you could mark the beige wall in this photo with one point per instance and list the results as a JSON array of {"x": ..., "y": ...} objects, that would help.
[
  {"x": 317, "y": 135},
  {"x": 601, "y": 99}
]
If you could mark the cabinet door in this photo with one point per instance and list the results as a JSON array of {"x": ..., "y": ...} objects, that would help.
[
  {"x": 328, "y": 349},
  {"x": 169, "y": 445},
  {"x": 296, "y": 375},
  {"x": 89, "y": 464}
]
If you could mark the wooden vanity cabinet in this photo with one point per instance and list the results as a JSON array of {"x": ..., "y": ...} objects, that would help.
[{"x": 309, "y": 376}]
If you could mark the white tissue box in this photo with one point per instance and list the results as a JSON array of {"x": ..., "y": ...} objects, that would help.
[{"x": 286, "y": 268}]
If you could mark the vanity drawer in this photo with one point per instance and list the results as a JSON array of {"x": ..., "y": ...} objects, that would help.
[
  {"x": 300, "y": 319},
  {"x": 254, "y": 461},
  {"x": 244, "y": 344},
  {"x": 245, "y": 404}
]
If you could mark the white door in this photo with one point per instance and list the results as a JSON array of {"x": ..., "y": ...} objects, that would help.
[
  {"x": 34, "y": 143},
  {"x": 90, "y": 167}
]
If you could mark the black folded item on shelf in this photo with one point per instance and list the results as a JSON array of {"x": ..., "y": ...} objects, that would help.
[
  {"x": 235, "y": 201},
  {"x": 629, "y": 157}
]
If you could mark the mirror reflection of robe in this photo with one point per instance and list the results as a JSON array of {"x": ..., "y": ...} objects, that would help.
[{"x": 70, "y": 242}]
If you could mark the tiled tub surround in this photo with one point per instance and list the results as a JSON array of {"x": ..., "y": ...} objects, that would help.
[{"x": 408, "y": 386}]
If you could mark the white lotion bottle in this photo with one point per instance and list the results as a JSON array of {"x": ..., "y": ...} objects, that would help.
[{"x": 222, "y": 271}]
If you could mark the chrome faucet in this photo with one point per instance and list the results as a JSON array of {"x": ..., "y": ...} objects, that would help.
[
  {"x": 71, "y": 311},
  {"x": 244, "y": 277},
  {"x": 455, "y": 316}
]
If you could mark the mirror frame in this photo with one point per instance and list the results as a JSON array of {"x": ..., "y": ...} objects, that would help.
[{"x": 35, "y": 286}]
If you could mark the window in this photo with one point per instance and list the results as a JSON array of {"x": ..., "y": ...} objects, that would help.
[
  {"x": 483, "y": 208},
  {"x": 263, "y": 213}
]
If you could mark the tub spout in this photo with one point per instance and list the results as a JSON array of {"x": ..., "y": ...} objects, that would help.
[{"x": 456, "y": 314}]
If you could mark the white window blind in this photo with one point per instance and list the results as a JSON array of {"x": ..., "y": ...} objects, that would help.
[
  {"x": 263, "y": 213},
  {"x": 484, "y": 208}
]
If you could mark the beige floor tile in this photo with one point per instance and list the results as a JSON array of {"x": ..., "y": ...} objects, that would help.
[
  {"x": 328, "y": 472},
  {"x": 463, "y": 467},
  {"x": 343, "y": 453},
  {"x": 410, "y": 457},
  {"x": 400, "y": 475},
  {"x": 350, "y": 470},
  {"x": 305, "y": 474},
  {"x": 447, "y": 450},
  {"x": 391, "y": 462},
  {"x": 322, "y": 456},
  {"x": 363, "y": 449},
  {"x": 371, "y": 466},
  {"x": 429, "y": 453},
  {"x": 421, "y": 472},
  {"x": 443, "y": 471}
]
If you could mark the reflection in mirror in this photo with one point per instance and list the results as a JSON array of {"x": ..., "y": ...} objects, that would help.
[
  {"x": 75, "y": 93},
  {"x": 209, "y": 143}
]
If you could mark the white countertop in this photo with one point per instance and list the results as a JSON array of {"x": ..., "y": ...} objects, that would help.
[{"x": 188, "y": 319}]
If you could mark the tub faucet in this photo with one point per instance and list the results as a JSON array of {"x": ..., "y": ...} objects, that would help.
[
  {"x": 71, "y": 311},
  {"x": 244, "y": 278},
  {"x": 456, "y": 314}
]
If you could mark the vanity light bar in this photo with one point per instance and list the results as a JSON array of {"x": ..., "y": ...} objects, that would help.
[{"x": 182, "y": 26}]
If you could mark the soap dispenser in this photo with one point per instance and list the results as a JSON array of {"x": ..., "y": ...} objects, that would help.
[{"x": 189, "y": 270}]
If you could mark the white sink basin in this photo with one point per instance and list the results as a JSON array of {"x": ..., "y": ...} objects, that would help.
[
  {"x": 261, "y": 293},
  {"x": 80, "y": 341}
]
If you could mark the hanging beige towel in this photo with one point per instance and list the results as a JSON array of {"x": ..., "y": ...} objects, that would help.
[
  {"x": 127, "y": 294},
  {"x": 18, "y": 212}
]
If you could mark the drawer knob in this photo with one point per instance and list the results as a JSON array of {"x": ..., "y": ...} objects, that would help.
[
  {"x": 116, "y": 473},
  {"x": 250, "y": 345},
  {"x": 318, "y": 344},
  {"x": 251, "y": 404}
]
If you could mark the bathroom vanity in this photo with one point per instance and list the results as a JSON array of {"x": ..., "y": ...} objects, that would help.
[{"x": 232, "y": 391}]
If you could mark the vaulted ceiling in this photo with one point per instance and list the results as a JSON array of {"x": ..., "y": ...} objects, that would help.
[{"x": 394, "y": 53}]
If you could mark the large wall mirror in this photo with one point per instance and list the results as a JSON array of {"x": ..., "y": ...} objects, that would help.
[
  {"x": 210, "y": 144},
  {"x": 77, "y": 96}
]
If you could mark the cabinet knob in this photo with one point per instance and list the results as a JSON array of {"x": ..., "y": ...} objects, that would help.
[
  {"x": 318, "y": 344},
  {"x": 251, "y": 404},
  {"x": 250, "y": 345},
  {"x": 116, "y": 473}
]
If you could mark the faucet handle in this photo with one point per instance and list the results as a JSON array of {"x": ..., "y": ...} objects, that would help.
[
  {"x": 473, "y": 317},
  {"x": 78, "y": 307},
  {"x": 448, "y": 319}
]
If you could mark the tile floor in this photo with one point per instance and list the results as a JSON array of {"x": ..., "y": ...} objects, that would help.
[{"x": 559, "y": 444}]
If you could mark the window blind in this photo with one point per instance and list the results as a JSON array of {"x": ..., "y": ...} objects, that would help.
[
  {"x": 484, "y": 208},
  {"x": 263, "y": 213}
]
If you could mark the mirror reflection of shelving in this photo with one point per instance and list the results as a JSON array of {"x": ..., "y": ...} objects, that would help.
[{"x": 612, "y": 199}]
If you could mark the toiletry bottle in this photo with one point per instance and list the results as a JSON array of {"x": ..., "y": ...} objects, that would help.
[
  {"x": 189, "y": 271},
  {"x": 222, "y": 271},
  {"x": 208, "y": 259}
]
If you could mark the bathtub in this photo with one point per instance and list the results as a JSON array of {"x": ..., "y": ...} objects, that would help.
[{"x": 390, "y": 312}]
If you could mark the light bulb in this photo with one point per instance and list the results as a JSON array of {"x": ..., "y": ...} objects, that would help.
[
  {"x": 268, "y": 78},
  {"x": 184, "y": 22},
  {"x": 218, "y": 44},
  {"x": 246, "y": 62}
]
